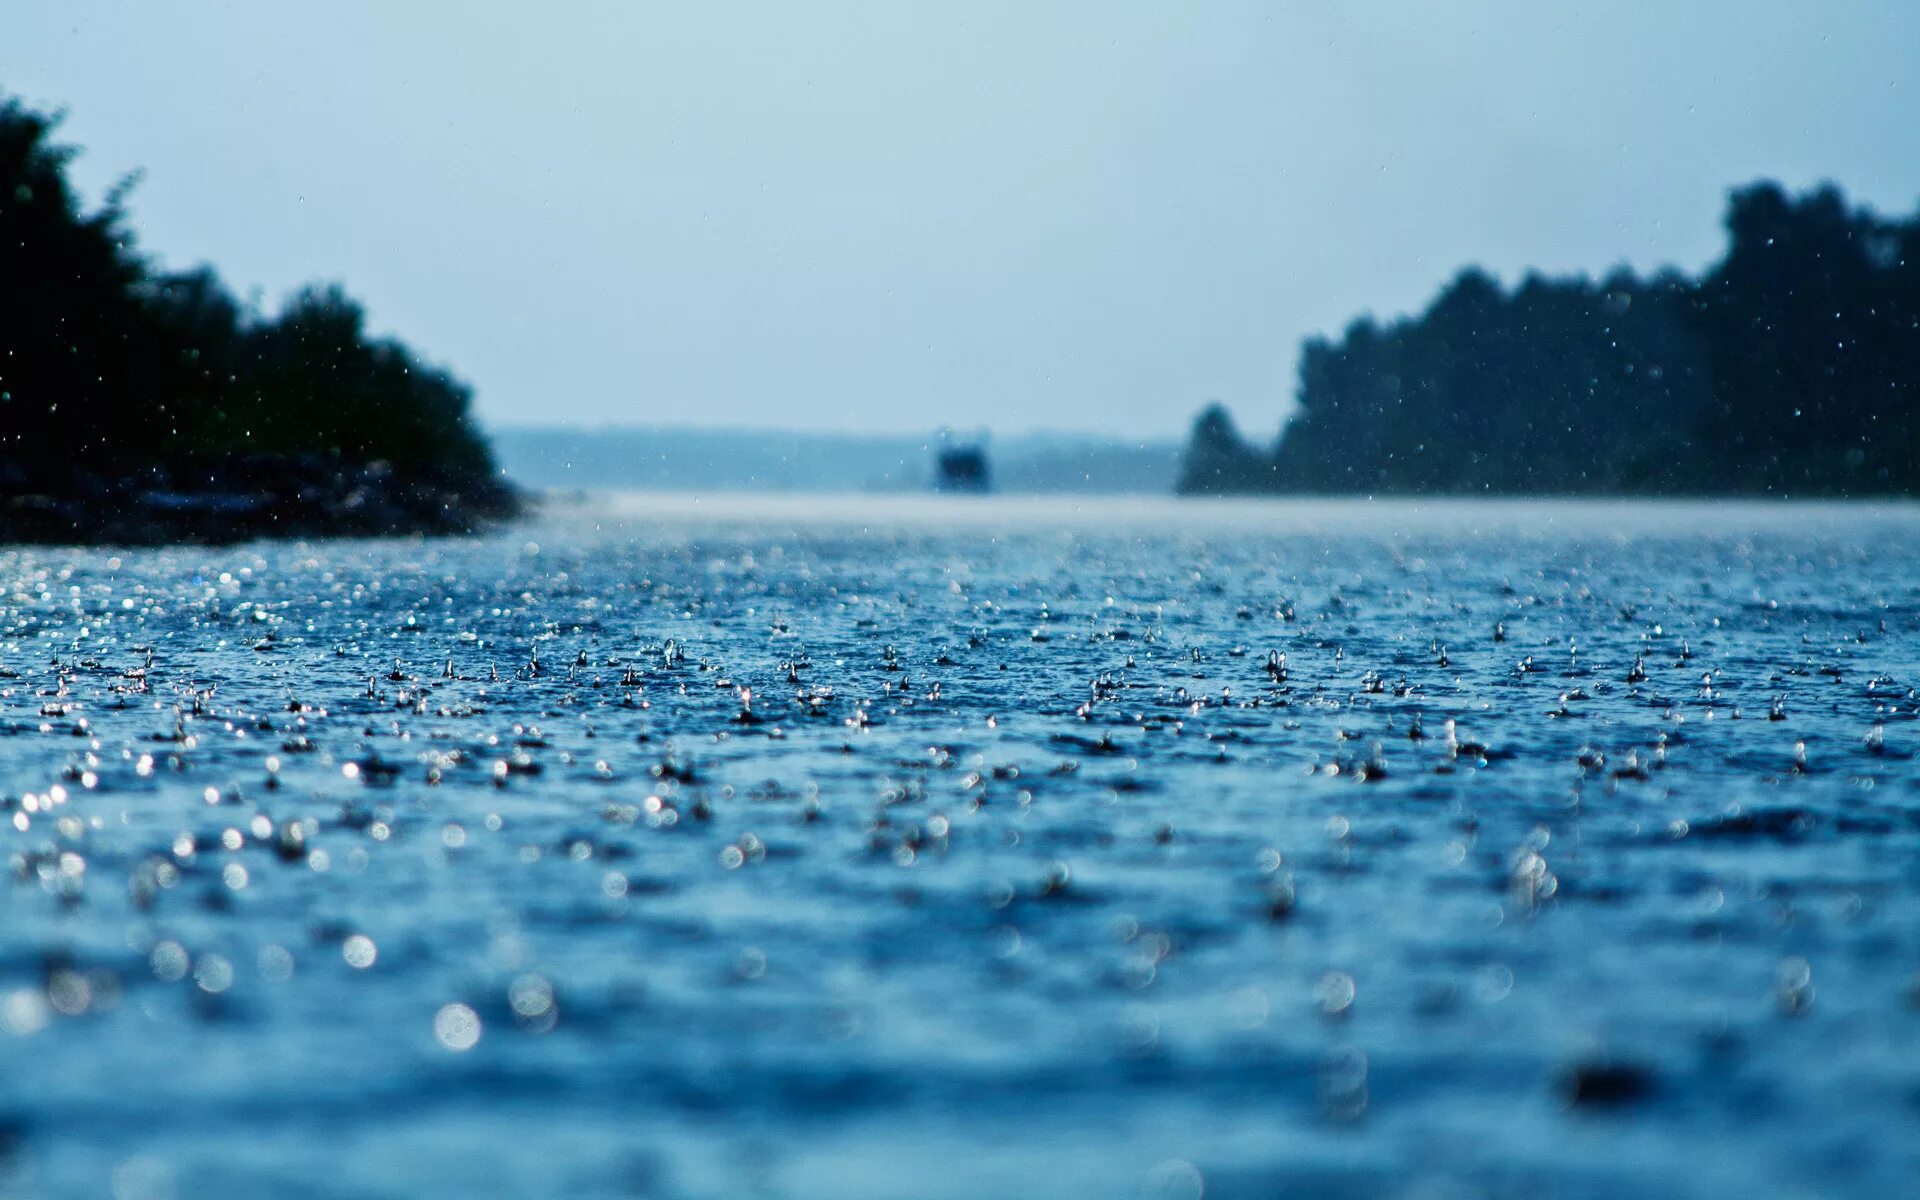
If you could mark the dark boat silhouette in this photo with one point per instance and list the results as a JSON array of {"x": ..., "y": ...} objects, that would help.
[{"x": 962, "y": 468}]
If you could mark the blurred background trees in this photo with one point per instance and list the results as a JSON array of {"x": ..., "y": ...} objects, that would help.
[{"x": 1791, "y": 367}]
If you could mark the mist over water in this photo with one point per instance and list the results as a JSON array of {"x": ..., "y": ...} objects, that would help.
[{"x": 873, "y": 846}]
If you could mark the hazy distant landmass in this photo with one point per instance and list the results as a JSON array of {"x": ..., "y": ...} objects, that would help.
[
  {"x": 1791, "y": 368},
  {"x": 667, "y": 458}
]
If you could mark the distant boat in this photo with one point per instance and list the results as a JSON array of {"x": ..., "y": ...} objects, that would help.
[{"x": 963, "y": 469}]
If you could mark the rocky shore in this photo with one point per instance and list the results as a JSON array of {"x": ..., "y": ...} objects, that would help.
[{"x": 241, "y": 499}]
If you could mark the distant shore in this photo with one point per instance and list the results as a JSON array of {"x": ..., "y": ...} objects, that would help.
[
  {"x": 1788, "y": 368},
  {"x": 685, "y": 458}
]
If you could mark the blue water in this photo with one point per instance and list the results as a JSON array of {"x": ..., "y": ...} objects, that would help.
[{"x": 1023, "y": 869}]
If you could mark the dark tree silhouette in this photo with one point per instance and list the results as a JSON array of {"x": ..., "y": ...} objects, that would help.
[
  {"x": 1791, "y": 368},
  {"x": 73, "y": 332},
  {"x": 1218, "y": 460},
  {"x": 121, "y": 387}
]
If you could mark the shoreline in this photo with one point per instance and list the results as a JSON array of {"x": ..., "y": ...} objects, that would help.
[{"x": 247, "y": 499}]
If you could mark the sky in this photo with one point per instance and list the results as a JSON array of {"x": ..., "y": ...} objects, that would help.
[{"x": 893, "y": 217}]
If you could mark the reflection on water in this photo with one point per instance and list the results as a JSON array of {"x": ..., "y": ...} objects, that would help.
[{"x": 879, "y": 846}]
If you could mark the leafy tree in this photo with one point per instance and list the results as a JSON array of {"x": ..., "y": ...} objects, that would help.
[
  {"x": 73, "y": 331},
  {"x": 1791, "y": 367},
  {"x": 1219, "y": 461},
  {"x": 109, "y": 369}
]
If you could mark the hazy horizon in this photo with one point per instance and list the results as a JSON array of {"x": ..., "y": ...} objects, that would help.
[
  {"x": 1036, "y": 433},
  {"x": 864, "y": 219}
]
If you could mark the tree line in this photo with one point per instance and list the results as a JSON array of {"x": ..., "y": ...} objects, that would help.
[
  {"x": 112, "y": 370},
  {"x": 1791, "y": 367}
]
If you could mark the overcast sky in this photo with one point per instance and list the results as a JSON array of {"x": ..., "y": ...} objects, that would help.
[{"x": 894, "y": 216}]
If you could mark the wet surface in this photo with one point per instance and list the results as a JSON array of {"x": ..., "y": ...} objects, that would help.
[{"x": 958, "y": 849}]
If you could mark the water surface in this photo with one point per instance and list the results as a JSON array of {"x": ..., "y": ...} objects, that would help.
[{"x": 888, "y": 846}]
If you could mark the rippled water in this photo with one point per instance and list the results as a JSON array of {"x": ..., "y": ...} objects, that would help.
[{"x": 467, "y": 868}]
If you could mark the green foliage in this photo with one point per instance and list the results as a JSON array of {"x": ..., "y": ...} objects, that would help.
[
  {"x": 107, "y": 366},
  {"x": 1790, "y": 368}
]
